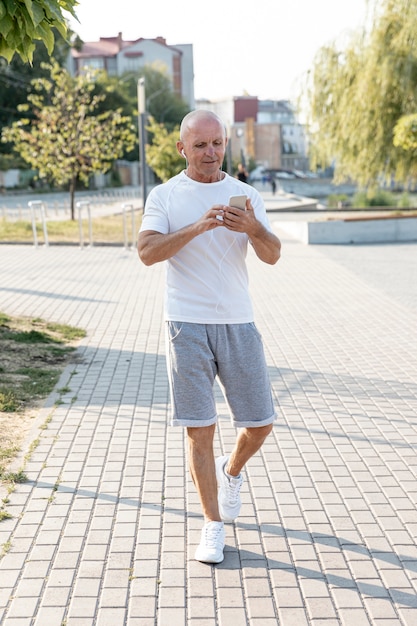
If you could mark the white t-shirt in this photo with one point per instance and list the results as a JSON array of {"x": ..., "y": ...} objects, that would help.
[{"x": 207, "y": 280}]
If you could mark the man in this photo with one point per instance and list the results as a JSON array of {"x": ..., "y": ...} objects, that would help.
[{"x": 189, "y": 224}]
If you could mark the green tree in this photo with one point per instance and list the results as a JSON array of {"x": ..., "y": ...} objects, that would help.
[
  {"x": 22, "y": 22},
  {"x": 162, "y": 155},
  {"x": 68, "y": 139},
  {"x": 356, "y": 97},
  {"x": 163, "y": 104},
  {"x": 405, "y": 134},
  {"x": 16, "y": 82}
]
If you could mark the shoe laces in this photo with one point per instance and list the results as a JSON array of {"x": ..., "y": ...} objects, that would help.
[
  {"x": 233, "y": 488},
  {"x": 211, "y": 534}
]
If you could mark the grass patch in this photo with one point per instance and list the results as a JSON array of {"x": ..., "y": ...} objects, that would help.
[
  {"x": 33, "y": 354},
  {"x": 108, "y": 229},
  {"x": 8, "y": 401},
  {"x": 29, "y": 336}
]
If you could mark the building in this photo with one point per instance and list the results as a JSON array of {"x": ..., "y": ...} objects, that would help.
[
  {"x": 117, "y": 56},
  {"x": 265, "y": 131}
]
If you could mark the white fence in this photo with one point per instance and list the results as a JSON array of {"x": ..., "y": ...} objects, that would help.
[{"x": 57, "y": 205}]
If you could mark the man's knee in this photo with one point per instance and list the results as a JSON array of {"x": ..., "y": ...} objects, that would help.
[
  {"x": 260, "y": 433},
  {"x": 201, "y": 435}
]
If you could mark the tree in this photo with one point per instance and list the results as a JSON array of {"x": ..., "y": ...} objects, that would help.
[
  {"x": 162, "y": 155},
  {"x": 405, "y": 132},
  {"x": 163, "y": 104},
  {"x": 21, "y": 23},
  {"x": 356, "y": 97},
  {"x": 16, "y": 81},
  {"x": 68, "y": 139}
]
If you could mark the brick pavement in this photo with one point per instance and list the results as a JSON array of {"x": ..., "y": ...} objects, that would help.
[{"x": 105, "y": 530}]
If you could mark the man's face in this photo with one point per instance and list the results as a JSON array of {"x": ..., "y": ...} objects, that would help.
[{"x": 204, "y": 144}]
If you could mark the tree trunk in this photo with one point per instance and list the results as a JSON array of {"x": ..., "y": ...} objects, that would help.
[{"x": 72, "y": 197}]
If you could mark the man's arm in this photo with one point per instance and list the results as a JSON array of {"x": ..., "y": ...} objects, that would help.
[
  {"x": 266, "y": 245},
  {"x": 154, "y": 247}
]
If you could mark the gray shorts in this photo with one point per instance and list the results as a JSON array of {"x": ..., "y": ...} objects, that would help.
[{"x": 197, "y": 353}]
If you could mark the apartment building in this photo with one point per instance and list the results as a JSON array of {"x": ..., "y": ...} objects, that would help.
[
  {"x": 266, "y": 131},
  {"x": 117, "y": 56}
]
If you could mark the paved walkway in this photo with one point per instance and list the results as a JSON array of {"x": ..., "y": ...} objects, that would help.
[{"x": 105, "y": 530}]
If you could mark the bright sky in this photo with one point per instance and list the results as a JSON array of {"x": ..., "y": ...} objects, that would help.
[{"x": 263, "y": 49}]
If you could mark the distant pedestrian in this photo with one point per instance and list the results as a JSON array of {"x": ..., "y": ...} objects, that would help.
[
  {"x": 242, "y": 174},
  {"x": 273, "y": 185}
]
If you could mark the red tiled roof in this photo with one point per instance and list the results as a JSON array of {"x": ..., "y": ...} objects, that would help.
[{"x": 108, "y": 46}]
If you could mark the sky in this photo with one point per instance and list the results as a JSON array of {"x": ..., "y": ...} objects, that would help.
[{"x": 263, "y": 48}]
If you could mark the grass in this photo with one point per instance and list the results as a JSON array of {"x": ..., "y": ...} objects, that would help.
[
  {"x": 107, "y": 230},
  {"x": 33, "y": 354}
]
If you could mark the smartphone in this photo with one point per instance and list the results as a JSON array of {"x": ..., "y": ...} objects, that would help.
[{"x": 238, "y": 202}]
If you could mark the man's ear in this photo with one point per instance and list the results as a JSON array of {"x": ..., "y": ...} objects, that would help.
[{"x": 180, "y": 149}]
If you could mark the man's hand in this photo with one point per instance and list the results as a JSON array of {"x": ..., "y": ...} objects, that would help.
[
  {"x": 241, "y": 221},
  {"x": 212, "y": 219},
  {"x": 266, "y": 245}
]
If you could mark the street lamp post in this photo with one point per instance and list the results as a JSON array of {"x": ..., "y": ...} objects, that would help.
[
  {"x": 229, "y": 150},
  {"x": 240, "y": 134},
  {"x": 142, "y": 135}
]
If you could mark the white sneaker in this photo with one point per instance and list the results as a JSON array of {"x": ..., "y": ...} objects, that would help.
[
  {"x": 210, "y": 549},
  {"x": 229, "y": 491}
]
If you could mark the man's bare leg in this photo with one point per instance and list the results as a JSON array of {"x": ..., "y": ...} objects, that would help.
[
  {"x": 202, "y": 469},
  {"x": 202, "y": 465},
  {"x": 248, "y": 442}
]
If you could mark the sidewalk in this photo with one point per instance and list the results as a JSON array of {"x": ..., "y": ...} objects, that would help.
[{"x": 104, "y": 532}]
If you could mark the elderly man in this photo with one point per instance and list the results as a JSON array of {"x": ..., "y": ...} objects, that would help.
[{"x": 189, "y": 222}]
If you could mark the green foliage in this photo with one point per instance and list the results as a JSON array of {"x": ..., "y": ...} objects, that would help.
[
  {"x": 369, "y": 198},
  {"x": 68, "y": 333},
  {"x": 4, "y": 319},
  {"x": 37, "y": 347},
  {"x": 22, "y": 22},
  {"x": 15, "y": 84},
  {"x": 165, "y": 106},
  {"x": 404, "y": 201},
  {"x": 14, "y": 477},
  {"x": 11, "y": 161},
  {"x": 380, "y": 197},
  {"x": 8, "y": 401},
  {"x": 337, "y": 200},
  {"x": 36, "y": 381},
  {"x": 68, "y": 139},
  {"x": 357, "y": 96},
  {"x": 405, "y": 133},
  {"x": 28, "y": 336},
  {"x": 162, "y": 156}
]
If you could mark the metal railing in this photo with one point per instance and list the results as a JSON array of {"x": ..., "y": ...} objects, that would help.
[
  {"x": 129, "y": 207},
  {"x": 35, "y": 206},
  {"x": 81, "y": 206}
]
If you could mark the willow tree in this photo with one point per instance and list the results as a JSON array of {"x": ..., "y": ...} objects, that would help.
[
  {"x": 355, "y": 98},
  {"x": 68, "y": 139}
]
